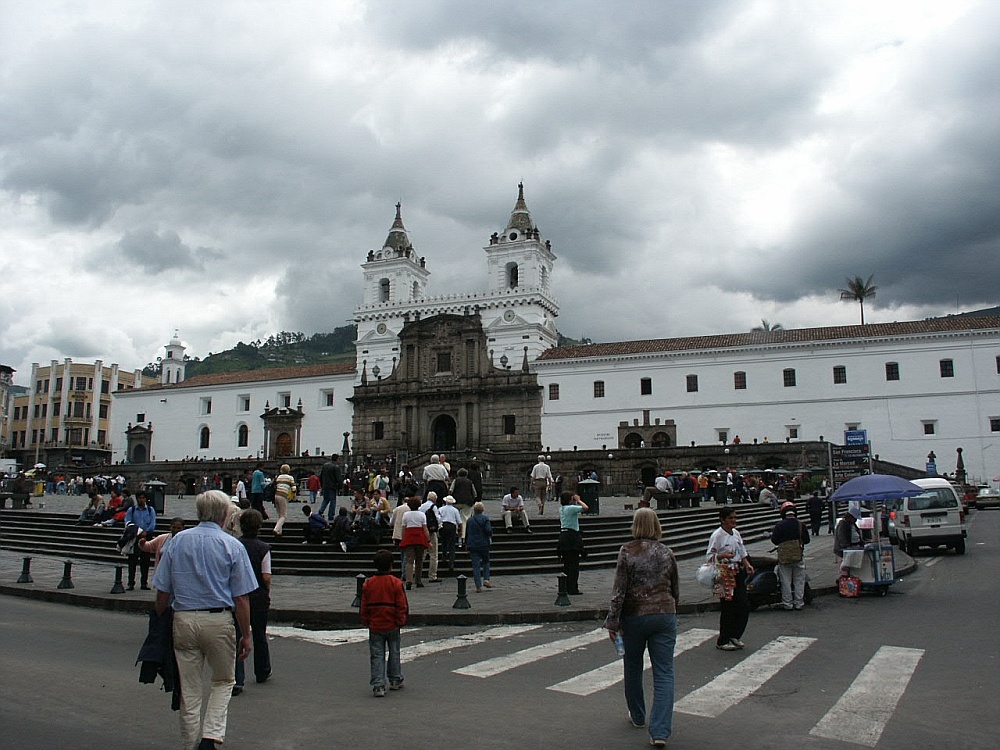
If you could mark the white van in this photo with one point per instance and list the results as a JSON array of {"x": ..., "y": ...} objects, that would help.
[{"x": 931, "y": 519}]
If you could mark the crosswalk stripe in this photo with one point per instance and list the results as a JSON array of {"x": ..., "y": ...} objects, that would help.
[
  {"x": 323, "y": 637},
  {"x": 408, "y": 653},
  {"x": 604, "y": 677},
  {"x": 499, "y": 664},
  {"x": 745, "y": 678},
  {"x": 864, "y": 709}
]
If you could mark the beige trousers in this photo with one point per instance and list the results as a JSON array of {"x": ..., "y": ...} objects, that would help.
[{"x": 204, "y": 639}]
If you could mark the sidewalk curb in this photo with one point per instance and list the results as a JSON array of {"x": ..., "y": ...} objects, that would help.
[{"x": 352, "y": 617}]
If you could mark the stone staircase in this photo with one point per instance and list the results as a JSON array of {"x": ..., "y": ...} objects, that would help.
[{"x": 686, "y": 531}]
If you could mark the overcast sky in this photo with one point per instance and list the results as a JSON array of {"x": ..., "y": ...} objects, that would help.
[{"x": 223, "y": 168}]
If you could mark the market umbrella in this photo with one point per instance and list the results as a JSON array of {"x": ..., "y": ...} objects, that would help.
[
  {"x": 875, "y": 487},
  {"x": 39, "y": 466}
]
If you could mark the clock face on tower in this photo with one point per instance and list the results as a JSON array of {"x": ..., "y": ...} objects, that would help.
[
  {"x": 509, "y": 316},
  {"x": 381, "y": 328}
]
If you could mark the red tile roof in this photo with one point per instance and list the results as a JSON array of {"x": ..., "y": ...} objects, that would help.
[
  {"x": 258, "y": 376},
  {"x": 781, "y": 336}
]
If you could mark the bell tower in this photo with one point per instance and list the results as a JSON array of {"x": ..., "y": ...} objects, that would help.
[{"x": 173, "y": 365}]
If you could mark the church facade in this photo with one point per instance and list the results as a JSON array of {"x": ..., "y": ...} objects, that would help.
[{"x": 482, "y": 372}]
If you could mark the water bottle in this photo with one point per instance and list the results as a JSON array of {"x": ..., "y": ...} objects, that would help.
[{"x": 619, "y": 645}]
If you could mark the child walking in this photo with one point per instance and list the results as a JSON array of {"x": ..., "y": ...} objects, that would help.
[{"x": 383, "y": 611}]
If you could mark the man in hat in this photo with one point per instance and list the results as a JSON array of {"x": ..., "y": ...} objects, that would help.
[
  {"x": 790, "y": 536},
  {"x": 451, "y": 520},
  {"x": 847, "y": 535}
]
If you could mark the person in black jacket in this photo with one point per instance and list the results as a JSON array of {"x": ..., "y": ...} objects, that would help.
[
  {"x": 791, "y": 535},
  {"x": 260, "y": 599}
]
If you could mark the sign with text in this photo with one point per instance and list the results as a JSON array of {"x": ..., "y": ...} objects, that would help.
[
  {"x": 855, "y": 437},
  {"x": 848, "y": 461}
]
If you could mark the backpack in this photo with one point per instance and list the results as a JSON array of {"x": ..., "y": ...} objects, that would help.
[{"x": 432, "y": 519}]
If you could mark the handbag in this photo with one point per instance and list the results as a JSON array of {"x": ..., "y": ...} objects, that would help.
[
  {"x": 789, "y": 552},
  {"x": 849, "y": 586},
  {"x": 705, "y": 575}
]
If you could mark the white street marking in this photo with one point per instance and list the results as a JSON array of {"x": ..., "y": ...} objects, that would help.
[
  {"x": 499, "y": 664},
  {"x": 323, "y": 637},
  {"x": 604, "y": 677},
  {"x": 863, "y": 711},
  {"x": 408, "y": 653},
  {"x": 732, "y": 686},
  {"x": 931, "y": 562}
]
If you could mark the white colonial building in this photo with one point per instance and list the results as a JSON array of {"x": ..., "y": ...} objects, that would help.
[{"x": 915, "y": 387}]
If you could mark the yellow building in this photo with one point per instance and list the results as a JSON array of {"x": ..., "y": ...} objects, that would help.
[{"x": 63, "y": 420}]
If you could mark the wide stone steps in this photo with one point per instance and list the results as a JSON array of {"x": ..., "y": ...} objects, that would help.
[{"x": 686, "y": 531}]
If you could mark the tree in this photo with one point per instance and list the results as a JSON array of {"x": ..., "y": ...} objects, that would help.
[
  {"x": 858, "y": 291},
  {"x": 766, "y": 327}
]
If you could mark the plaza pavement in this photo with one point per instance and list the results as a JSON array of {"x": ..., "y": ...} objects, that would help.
[{"x": 323, "y": 601}]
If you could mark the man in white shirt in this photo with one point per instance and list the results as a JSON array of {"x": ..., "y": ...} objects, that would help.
[
  {"x": 541, "y": 478},
  {"x": 661, "y": 486},
  {"x": 451, "y": 520},
  {"x": 435, "y": 477},
  {"x": 429, "y": 504},
  {"x": 513, "y": 505}
]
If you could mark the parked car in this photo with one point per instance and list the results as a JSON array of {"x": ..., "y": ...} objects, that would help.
[
  {"x": 987, "y": 498},
  {"x": 932, "y": 519},
  {"x": 891, "y": 508}
]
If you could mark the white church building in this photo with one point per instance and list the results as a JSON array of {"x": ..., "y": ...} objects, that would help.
[{"x": 915, "y": 387}]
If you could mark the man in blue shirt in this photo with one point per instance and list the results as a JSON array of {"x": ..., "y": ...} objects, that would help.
[
  {"x": 257, "y": 490},
  {"x": 204, "y": 575},
  {"x": 143, "y": 515}
]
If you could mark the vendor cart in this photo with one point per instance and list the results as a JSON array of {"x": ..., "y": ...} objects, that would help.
[{"x": 873, "y": 564}]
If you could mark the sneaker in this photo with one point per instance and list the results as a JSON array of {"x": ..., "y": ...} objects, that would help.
[
  {"x": 528, "y": 531},
  {"x": 658, "y": 742},
  {"x": 726, "y": 646},
  {"x": 737, "y": 642},
  {"x": 510, "y": 530},
  {"x": 264, "y": 678},
  {"x": 237, "y": 690},
  {"x": 636, "y": 724},
  {"x": 379, "y": 692},
  {"x": 343, "y": 546},
  {"x": 395, "y": 685},
  {"x": 487, "y": 584}
]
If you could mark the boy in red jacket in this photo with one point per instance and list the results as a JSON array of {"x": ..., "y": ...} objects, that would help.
[{"x": 383, "y": 611}]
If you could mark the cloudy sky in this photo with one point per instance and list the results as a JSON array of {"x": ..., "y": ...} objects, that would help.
[{"x": 223, "y": 168}]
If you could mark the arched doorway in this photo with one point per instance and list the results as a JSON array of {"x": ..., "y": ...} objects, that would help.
[
  {"x": 139, "y": 454},
  {"x": 283, "y": 445},
  {"x": 443, "y": 432},
  {"x": 632, "y": 440},
  {"x": 661, "y": 440}
]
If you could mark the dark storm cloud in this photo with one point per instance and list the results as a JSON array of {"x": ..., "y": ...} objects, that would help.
[
  {"x": 625, "y": 31},
  {"x": 155, "y": 252},
  {"x": 919, "y": 189}
]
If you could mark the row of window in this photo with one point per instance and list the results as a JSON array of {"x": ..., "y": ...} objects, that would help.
[
  {"x": 284, "y": 400},
  {"x": 80, "y": 410},
  {"x": 71, "y": 436},
  {"x": 789, "y": 379},
  {"x": 79, "y": 383}
]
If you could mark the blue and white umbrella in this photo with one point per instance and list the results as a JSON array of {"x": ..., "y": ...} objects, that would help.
[{"x": 875, "y": 487}]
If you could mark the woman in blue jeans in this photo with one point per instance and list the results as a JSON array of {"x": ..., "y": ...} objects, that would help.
[
  {"x": 644, "y": 612},
  {"x": 478, "y": 537}
]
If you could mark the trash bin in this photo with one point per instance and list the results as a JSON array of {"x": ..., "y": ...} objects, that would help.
[
  {"x": 720, "y": 493},
  {"x": 587, "y": 489},
  {"x": 39, "y": 488},
  {"x": 156, "y": 492}
]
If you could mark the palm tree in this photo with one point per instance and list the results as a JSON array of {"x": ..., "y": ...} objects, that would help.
[
  {"x": 766, "y": 327},
  {"x": 858, "y": 291}
]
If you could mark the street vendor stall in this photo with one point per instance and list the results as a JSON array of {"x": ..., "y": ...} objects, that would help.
[{"x": 872, "y": 564}]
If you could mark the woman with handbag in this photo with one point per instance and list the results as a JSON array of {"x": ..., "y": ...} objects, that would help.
[
  {"x": 644, "y": 612},
  {"x": 790, "y": 535},
  {"x": 726, "y": 550}
]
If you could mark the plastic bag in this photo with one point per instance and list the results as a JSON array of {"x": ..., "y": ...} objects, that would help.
[{"x": 705, "y": 575}]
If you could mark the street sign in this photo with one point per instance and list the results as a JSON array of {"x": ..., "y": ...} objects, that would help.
[
  {"x": 931, "y": 469},
  {"x": 855, "y": 437}
]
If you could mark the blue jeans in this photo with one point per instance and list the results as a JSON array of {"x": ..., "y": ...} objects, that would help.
[
  {"x": 329, "y": 500},
  {"x": 658, "y": 633},
  {"x": 480, "y": 565},
  {"x": 378, "y": 644}
]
